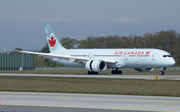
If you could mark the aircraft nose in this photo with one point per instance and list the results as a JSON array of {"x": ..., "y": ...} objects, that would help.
[{"x": 172, "y": 62}]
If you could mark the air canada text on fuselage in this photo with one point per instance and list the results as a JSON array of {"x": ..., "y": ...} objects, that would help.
[{"x": 132, "y": 52}]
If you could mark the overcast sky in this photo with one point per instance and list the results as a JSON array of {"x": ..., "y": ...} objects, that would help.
[{"x": 21, "y": 21}]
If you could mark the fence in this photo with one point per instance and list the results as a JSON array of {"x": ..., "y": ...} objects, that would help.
[{"x": 16, "y": 61}]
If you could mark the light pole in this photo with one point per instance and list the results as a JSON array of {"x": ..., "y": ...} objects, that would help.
[{"x": 22, "y": 60}]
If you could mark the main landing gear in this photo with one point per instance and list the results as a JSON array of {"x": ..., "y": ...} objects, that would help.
[
  {"x": 89, "y": 72},
  {"x": 116, "y": 71}
]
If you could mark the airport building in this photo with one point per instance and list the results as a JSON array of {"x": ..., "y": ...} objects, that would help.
[{"x": 16, "y": 62}]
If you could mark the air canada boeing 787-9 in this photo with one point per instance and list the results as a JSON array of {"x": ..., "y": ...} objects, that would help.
[{"x": 98, "y": 60}]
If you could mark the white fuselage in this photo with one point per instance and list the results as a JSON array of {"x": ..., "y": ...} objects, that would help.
[{"x": 125, "y": 58}]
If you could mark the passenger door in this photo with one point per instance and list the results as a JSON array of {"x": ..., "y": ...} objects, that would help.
[
  {"x": 126, "y": 57},
  {"x": 154, "y": 56}
]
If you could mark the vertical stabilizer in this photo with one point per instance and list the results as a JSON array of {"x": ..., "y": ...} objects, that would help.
[{"x": 53, "y": 42}]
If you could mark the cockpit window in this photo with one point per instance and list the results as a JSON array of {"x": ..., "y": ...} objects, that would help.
[{"x": 167, "y": 56}]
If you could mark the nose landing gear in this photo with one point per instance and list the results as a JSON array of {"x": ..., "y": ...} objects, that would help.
[{"x": 162, "y": 71}]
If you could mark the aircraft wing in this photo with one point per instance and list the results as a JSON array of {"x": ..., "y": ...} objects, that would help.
[{"x": 81, "y": 60}]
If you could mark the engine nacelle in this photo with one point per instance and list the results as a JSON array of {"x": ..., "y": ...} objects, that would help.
[
  {"x": 144, "y": 69},
  {"x": 96, "y": 65}
]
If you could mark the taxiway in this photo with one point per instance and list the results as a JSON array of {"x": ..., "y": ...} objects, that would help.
[
  {"x": 27, "y": 101},
  {"x": 148, "y": 77}
]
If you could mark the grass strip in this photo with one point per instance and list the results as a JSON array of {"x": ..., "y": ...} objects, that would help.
[{"x": 91, "y": 86}]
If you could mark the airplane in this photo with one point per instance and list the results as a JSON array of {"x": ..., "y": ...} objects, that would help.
[{"x": 98, "y": 60}]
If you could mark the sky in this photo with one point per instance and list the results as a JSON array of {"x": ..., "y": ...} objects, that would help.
[{"x": 21, "y": 21}]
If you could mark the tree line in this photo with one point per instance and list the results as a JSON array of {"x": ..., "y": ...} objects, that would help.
[{"x": 166, "y": 40}]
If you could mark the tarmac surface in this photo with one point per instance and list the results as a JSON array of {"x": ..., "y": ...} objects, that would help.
[
  {"x": 56, "y": 109},
  {"x": 65, "y": 102},
  {"x": 147, "y": 77}
]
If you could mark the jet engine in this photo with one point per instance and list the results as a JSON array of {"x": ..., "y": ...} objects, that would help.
[
  {"x": 96, "y": 65},
  {"x": 144, "y": 69}
]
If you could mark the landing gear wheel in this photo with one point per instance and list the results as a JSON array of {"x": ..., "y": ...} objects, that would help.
[
  {"x": 89, "y": 72},
  {"x": 119, "y": 72},
  {"x": 113, "y": 72},
  {"x": 116, "y": 72},
  {"x": 161, "y": 72}
]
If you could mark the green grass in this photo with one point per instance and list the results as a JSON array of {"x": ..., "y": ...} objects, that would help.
[
  {"x": 92, "y": 86},
  {"x": 107, "y": 72}
]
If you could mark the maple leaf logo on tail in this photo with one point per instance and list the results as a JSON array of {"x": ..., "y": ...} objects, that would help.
[{"x": 52, "y": 41}]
